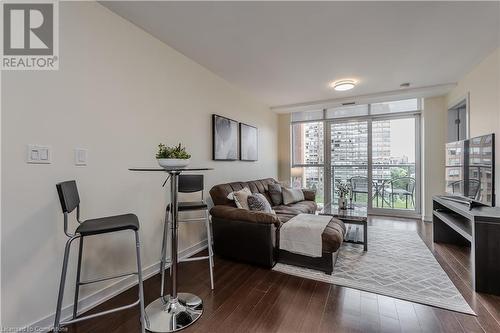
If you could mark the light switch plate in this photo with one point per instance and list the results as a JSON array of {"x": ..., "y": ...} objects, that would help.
[
  {"x": 81, "y": 156},
  {"x": 37, "y": 154}
]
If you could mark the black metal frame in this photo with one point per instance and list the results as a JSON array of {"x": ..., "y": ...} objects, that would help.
[
  {"x": 67, "y": 210},
  {"x": 241, "y": 142},
  {"x": 364, "y": 224},
  {"x": 213, "y": 139}
]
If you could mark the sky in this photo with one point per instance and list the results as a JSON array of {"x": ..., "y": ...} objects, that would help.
[{"x": 403, "y": 138}]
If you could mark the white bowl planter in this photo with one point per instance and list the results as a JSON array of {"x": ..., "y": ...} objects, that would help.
[{"x": 170, "y": 163}]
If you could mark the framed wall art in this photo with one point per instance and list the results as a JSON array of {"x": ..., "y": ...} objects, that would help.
[
  {"x": 224, "y": 138},
  {"x": 249, "y": 145}
]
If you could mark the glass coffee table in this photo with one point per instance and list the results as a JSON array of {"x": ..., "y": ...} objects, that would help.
[{"x": 357, "y": 215}]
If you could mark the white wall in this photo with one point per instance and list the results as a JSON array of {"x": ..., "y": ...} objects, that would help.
[
  {"x": 118, "y": 93},
  {"x": 482, "y": 84},
  {"x": 434, "y": 116}
]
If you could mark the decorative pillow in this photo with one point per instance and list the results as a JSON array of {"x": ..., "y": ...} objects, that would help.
[
  {"x": 240, "y": 197},
  {"x": 275, "y": 194},
  {"x": 285, "y": 183},
  {"x": 292, "y": 195},
  {"x": 258, "y": 202}
]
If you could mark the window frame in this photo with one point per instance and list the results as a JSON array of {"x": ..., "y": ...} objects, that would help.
[
  {"x": 305, "y": 165},
  {"x": 327, "y": 165}
]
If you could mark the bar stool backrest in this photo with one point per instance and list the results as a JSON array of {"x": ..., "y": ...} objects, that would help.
[
  {"x": 68, "y": 196},
  {"x": 190, "y": 183}
]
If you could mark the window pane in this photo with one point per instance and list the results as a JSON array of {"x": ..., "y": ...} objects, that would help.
[
  {"x": 309, "y": 115},
  {"x": 406, "y": 105},
  {"x": 350, "y": 158},
  {"x": 394, "y": 168},
  {"x": 307, "y": 140},
  {"x": 347, "y": 111},
  {"x": 310, "y": 178}
]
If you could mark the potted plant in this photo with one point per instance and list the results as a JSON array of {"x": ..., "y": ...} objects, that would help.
[
  {"x": 172, "y": 157},
  {"x": 342, "y": 189}
]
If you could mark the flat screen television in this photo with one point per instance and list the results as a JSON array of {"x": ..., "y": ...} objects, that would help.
[{"x": 470, "y": 170}]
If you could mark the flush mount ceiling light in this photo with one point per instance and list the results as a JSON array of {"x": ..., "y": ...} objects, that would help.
[{"x": 343, "y": 85}]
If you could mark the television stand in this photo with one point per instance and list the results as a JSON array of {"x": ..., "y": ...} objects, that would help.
[
  {"x": 470, "y": 203},
  {"x": 477, "y": 227}
]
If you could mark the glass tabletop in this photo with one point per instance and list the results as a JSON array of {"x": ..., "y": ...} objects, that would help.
[
  {"x": 357, "y": 213},
  {"x": 169, "y": 169}
]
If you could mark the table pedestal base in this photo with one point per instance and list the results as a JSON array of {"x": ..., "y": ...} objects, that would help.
[{"x": 168, "y": 314}]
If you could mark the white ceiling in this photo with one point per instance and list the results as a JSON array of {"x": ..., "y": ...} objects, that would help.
[{"x": 288, "y": 52}]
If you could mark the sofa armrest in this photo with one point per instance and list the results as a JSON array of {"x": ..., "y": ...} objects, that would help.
[
  {"x": 245, "y": 241},
  {"x": 232, "y": 213},
  {"x": 309, "y": 195}
]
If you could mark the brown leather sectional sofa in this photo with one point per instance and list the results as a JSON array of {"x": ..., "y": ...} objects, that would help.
[{"x": 253, "y": 236}]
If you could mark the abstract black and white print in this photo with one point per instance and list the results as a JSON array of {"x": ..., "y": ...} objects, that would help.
[
  {"x": 225, "y": 138},
  {"x": 249, "y": 150}
]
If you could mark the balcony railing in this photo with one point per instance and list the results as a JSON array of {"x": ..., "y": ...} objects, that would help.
[
  {"x": 388, "y": 188},
  {"x": 393, "y": 184}
]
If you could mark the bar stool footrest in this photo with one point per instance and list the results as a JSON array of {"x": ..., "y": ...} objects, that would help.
[
  {"x": 106, "y": 278},
  {"x": 103, "y": 313},
  {"x": 195, "y": 259}
]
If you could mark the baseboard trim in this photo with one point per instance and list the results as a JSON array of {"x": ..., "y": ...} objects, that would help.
[{"x": 108, "y": 292}]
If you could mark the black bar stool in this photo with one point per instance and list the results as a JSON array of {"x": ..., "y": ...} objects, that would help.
[
  {"x": 190, "y": 184},
  {"x": 69, "y": 198}
]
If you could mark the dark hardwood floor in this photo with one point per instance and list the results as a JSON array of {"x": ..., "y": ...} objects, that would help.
[{"x": 252, "y": 299}]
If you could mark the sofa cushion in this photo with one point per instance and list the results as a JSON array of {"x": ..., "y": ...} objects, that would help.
[
  {"x": 307, "y": 207},
  {"x": 258, "y": 202},
  {"x": 275, "y": 194},
  {"x": 309, "y": 195},
  {"x": 219, "y": 193},
  {"x": 283, "y": 209},
  {"x": 291, "y": 195},
  {"x": 284, "y": 217}
]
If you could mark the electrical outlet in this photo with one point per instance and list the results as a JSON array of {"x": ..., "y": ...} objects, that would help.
[
  {"x": 81, "y": 156},
  {"x": 37, "y": 154}
]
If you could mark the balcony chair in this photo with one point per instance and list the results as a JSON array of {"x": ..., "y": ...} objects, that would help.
[
  {"x": 359, "y": 184},
  {"x": 401, "y": 186}
]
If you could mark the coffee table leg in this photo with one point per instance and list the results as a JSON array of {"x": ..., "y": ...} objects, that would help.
[{"x": 365, "y": 236}]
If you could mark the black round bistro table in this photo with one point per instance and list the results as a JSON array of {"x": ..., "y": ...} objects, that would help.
[{"x": 177, "y": 310}]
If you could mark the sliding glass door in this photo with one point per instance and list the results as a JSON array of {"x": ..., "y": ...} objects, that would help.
[
  {"x": 349, "y": 158},
  {"x": 377, "y": 157},
  {"x": 394, "y": 171},
  {"x": 375, "y": 148}
]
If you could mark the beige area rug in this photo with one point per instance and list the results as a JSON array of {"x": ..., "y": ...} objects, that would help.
[{"x": 397, "y": 264}]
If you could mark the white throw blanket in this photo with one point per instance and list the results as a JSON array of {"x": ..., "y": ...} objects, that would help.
[{"x": 302, "y": 234}]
